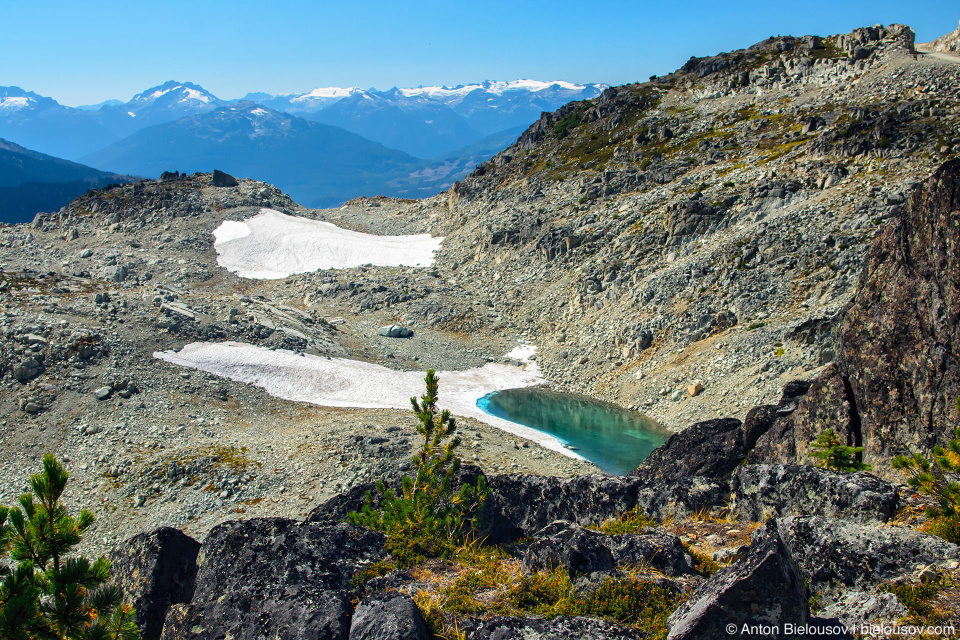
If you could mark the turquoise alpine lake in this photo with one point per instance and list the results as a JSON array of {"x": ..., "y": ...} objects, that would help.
[{"x": 611, "y": 437}]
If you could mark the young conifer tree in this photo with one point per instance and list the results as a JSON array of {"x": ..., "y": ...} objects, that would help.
[
  {"x": 53, "y": 593},
  {"x": 835, "y": 455},
  {"x": 427, "y": 519}
]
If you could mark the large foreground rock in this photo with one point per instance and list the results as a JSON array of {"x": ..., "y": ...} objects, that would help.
[
  {"x": 584, "y": 551},
  {"x": 155, "y": 570},
  {"x": 764, "y": 588},
  {"x": 388, "y": 615},
  {"x": 763, "y": 491},
  {"x": 275, "y": 578},
  {"x": 901, "y": 335},
  {"x": 838, "y": 555},
  {"x": 520, "y": 505}
]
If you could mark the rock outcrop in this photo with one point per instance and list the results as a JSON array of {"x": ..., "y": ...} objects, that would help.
[
  {"x": 155, "y": 570},
  {"x": 900, "y": 340},
  {"x": 277, "y": 578},
  {"x": 765, "y": 588},
  {"x": 583, "y": 551}
]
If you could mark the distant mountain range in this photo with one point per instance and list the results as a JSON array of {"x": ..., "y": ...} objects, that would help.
[
  {"x": 318, "y": 165},
  {"x": 429, "y": 122},
  {"x": 32, "y": 182},
  {"x": 406, "y": 141}
]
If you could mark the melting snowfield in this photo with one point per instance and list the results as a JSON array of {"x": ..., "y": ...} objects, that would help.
[
  {"x": 272, "y": 245},
  {"x": 339, "y": 382}
]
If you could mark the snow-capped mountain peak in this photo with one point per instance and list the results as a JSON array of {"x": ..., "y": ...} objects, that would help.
[{"x": 173, "y": 92}]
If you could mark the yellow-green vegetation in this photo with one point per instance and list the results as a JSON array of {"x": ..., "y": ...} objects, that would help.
[
  {"x": 633, "y": 521},
  {"x": 48, "y": 591},
  {"x": 702, "y": 563},
  {"x": 918, "y": 599},
  {"x": 371, "y": 571},
  {"x": 428, "y": 519},
  {"x": 940, "y": 480},
  {"x": 498, "y": 587}
]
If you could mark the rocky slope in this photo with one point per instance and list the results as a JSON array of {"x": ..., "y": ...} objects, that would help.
[{"x": 766, "y": 236}]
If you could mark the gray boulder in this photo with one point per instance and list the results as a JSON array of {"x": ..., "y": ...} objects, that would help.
[
  {"x": 562, "y": 628},
  {"x": 853, "y": 608},
  {"x": 28, "y": 369},
  {"x": 763, "y": 491},
  {"x": 520, "y": 505},
  {"x": 115, "y": 273},
  {"x": 583, "y": 551},
  {"x": 839, "y": 554},
  {"x": 155, "y": 570},
  {"x": 764, "y": 588},
  {"x": 388, "y": 615},
  {"x": 275, "y": 578},
  {"x": 395, "y": 331}
]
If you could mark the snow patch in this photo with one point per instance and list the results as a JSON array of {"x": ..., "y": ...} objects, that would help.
[
  {"x": 339, "y": 382},
  {"x": 14, "y": 102},
  {"x": 230, "y": 230},
  {"x": 275, "y": 245},
  {"x": 522, "y": 352}
]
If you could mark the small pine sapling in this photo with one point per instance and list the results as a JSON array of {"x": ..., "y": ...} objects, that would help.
[
  {"x": 427, "y": 519},
  {"x": 835, "y": 455},
  {"x": 51, "y": 592},
  {"x": 940, "y": 480}
]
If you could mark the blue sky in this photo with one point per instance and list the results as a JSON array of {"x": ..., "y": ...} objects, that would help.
[{"x": 87, "y": 52}]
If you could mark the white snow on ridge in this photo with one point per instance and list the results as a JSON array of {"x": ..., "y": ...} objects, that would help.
[
  {"x": 491, "y": 87},
  {"x": 339, "y": 382},
  {"x": 272, "y": 245},
  {"x": 14, "y": 102}
]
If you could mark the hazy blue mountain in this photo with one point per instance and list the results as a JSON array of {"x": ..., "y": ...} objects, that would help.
[
  {"x": 164, "y": 103},
  {"x": 43, "y": 124},
  {"x": 99, "y": 105},
  {"x": 431, "y": 122},
  {"x": 318, "y": 165},
  {"x": 421, "y": 128},
  {"x": 32, "y": 182}
]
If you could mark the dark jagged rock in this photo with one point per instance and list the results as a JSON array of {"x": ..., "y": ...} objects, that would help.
[
  {"x": 763, "y": 491},
  {"x": 838, "y": 554},
  {"x": 155, "y": 570},
  {"x": 564, "y": 544},
  {"x": 562, "y": 628},
  {"x": 714, "y": 448},
  {"x": 900, "y": 339},
  {"x": 388, "y": 616},
  {"x": 277, "y": 578},
  {"x": 583, "y": 551},
  {"x": 521, "y": 505},
  {"x": 221, "y": 179},
  {"x": 765, "y": 587},
  {"x": 826, "y": 405},
  {"x": 711, "y": 449}
]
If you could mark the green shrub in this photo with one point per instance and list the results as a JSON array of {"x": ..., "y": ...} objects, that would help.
[
  {"x": 940, "y": 480},
  {"x": 835, "y": 455},
  {"x": 427, "y": 520},
  {"x": 564, "y": 124},
  {"x": 52, "y": 593}
]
